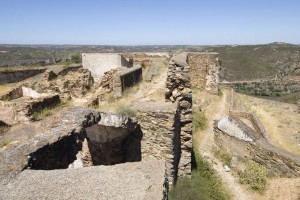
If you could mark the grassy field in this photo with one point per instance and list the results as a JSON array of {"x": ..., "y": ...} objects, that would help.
[{"x": 281, "y": 120}]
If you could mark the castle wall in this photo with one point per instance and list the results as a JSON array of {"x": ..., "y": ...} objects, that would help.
[{"x": 204, "y": 68}]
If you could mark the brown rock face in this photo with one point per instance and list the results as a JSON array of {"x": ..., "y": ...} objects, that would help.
[{"x": 77, "y": 83}]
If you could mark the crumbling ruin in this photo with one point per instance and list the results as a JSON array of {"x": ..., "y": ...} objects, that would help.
[
  {"x": 254, "y": 142},
  {"x": 87, "y": 138}
]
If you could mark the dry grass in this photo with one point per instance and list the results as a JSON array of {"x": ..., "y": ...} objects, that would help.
[
  {"x": 281, "y": 189},
  {"x": 280, "y": 120},
  {"x": 4, "y": 88}
]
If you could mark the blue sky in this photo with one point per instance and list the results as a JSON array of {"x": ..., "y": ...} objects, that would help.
[{"x": 138, "y": 22}]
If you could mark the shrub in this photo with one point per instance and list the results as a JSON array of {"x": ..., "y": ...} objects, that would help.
[
  {"x": 204, "y": 184},
  {"x": 255, "y": 175},
  {"x": 41, "y": 114},
  {"x": 216, "y": 189},
  {"x": 76, "y": 58},
  {"x": 125, "y": 110},
  {"x": 199, "y": 121},
  {"x": 224, "y": 156},
  {"x": 190, "y": 188}
]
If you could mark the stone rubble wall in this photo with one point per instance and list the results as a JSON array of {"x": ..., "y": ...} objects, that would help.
[
  {"x": 16, "y": 156},
  {"x": 179, "y": 90},
  {"x": 14, "y": 93},
  {"x": 204, "y": 70},
  {"x": 161, "y": 138},
  {"x": 278, "y": 161},
  {"x": 38, "y": 105},
  {"x": 115, "y": 81}
]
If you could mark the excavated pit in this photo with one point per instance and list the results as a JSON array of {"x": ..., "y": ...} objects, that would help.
[{"x": 97, "y": 144}]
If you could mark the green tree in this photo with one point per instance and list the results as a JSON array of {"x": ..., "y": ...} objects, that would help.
[{"x": 76, "y": 58}]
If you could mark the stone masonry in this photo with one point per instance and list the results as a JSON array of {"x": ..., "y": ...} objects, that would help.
[
  {"x": 161, "y": 134},
  {"x": 179, "y": 91},
  {"x": 205, "y": 70}
]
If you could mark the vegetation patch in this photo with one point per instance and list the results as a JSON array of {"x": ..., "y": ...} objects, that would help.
[
  {"x": 199, "y": 121},
  {"x": 41, "y": 114},
  {"x": 125, "y": 109},
  {"x": 224, "y": 156},
  {"x": 204, "y": 184},
  {"x": 254, "y": 175}
]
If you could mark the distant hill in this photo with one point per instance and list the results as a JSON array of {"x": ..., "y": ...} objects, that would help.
[
  {"x": 26, "y": 54},
  {"x": 240, "y": 62},
  {"x": 246, "y": 62}
]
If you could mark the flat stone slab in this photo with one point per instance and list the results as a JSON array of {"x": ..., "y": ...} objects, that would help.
[{"x": 136, "y": 180}]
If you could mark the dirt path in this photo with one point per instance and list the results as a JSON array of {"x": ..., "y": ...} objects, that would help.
[
  {"x": 155, "y": 89},
  {"x": 216, "y": 110}
]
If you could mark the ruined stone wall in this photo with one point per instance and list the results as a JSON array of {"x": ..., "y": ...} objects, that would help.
[
  {"x": 179, "y": 90},
  {"x": 40, "y": 104},
  {"x": 16, "y": 76},
  {"x": 125, "y": 79},
  {"x": 278, "y": 161},
  {"x": 161, "y": 138},
  {"x": 204, "y": 70},
  {"x": 14, "y": 93},
  {"x": 259, "y": 128}
]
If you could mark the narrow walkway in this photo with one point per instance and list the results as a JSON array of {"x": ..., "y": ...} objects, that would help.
[{"x": 205, "y": 150}]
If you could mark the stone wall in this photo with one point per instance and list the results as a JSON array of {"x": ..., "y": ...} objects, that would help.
[
  {"x": 125, "y": 79},
  {"x": 39, "y": 104},
  {"x": 16, "y": 76},
  {"x": 204, "y": 70},
  {"x": 14, "y": 93},
  {"x": 99, "y": 63},
  {"x": 179, "y": 91},
  {"x": 161, "y": 135},
  {"x": 278, "y": 161},
  {"x": 259, "y": 128}
]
